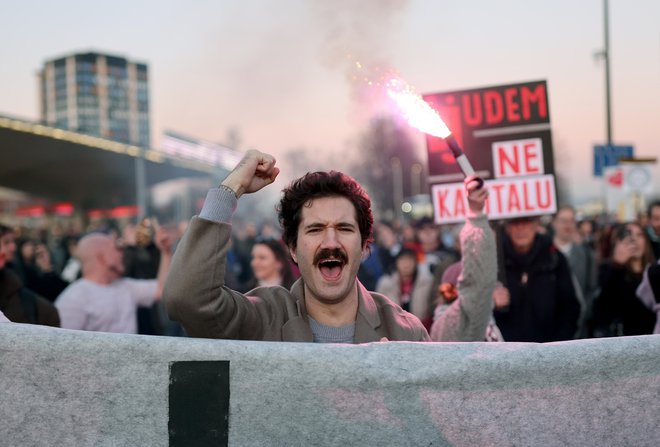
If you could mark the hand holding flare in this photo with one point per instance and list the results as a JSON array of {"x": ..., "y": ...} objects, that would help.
[{"x": 422, "y": 116}]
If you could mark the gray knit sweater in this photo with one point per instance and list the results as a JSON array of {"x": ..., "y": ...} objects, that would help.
[{"x": 467, "y": 317}]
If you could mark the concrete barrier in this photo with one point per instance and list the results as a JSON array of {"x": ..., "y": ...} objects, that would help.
[{"x": 71, "y": 388}]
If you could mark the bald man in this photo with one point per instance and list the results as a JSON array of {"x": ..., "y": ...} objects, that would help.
[{"x": 102, "y": 300}]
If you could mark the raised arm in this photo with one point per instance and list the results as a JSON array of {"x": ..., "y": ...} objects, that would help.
[
  {"x": 253, "y": 172},
  {"x": 467, "y": 317},
  {"x": 195, "y": 294}
]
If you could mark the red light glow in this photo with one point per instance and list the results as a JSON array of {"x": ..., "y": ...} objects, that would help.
[{"x": 63, "y": 209}]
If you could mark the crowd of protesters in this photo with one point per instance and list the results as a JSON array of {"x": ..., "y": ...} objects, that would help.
[{"x": 560, "y": 277}]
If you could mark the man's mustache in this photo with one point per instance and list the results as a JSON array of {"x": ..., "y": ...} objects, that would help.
[{"x": 330, "y": 253}]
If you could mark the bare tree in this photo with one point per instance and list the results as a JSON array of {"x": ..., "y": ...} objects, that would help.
[{"x": 387, "y": 161}]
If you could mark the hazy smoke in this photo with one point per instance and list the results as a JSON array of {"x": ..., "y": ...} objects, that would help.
[
  {"x": 356, "y": 38},
  {"x": 361, "y": 29},
  {"x": 356, "y": 41}
]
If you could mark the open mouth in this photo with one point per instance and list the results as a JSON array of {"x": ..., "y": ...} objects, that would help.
[
  {"x": 331, "y": 263},
  {"x": 331, "y": 269}
]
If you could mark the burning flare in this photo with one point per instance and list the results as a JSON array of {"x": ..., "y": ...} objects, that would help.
[
  {"x": 422, "y": 116},
  {"x": 418, "y": 112}
]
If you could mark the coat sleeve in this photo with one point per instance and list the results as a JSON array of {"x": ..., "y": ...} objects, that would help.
[
  {"x": 467, "y": 317},
  {"x": 195, "y": 294}
]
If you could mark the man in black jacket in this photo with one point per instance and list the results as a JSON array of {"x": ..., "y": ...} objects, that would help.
[{"x": 542, "y": 304}]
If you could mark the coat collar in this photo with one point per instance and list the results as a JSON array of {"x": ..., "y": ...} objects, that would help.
[
  {"x": 297, "y": 328},
  {"x": 368, "y": 318},
  {"x": 366, "y": 322}
]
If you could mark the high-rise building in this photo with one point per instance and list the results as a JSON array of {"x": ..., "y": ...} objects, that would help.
[{"x": 97, "y": 94}]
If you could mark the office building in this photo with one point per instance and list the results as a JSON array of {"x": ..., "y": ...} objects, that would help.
[{"x": 97, "y": 94}]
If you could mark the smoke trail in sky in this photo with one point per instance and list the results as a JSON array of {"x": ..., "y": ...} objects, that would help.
[{"x": 358, "y": 34}]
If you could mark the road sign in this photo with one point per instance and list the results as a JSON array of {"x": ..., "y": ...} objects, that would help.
[{"x": 605, "y": 156}]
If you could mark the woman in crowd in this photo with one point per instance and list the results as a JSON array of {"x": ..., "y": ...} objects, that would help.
[
  {"x": 409, "y": 286},
  {"x": 617, "y": 310},
  {"x": 271, "y": 264}
]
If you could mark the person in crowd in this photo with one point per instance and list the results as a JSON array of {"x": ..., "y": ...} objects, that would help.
[
  {"x": 408, "y": 235},
  {"x": 588, "y": 233},
  {"x": 269, "y": 230},
  {"x": 389, "y": 245},
  {"x": 435, "y": 256},
  {"x": 464, "y": 296},
  {"x": 381, "y": 257},
  {"x": 18, "y": 303},
  {"x": 71, "y": 268},
  {"x": 538, "y": 302},
  {"x": 605, "y": 244},
  {"x": 581, "y": 261},
  {"x": 653, "y": 228},
  {"x": 23, "y": 259},
  {"x": 234, "y": 271},
  {"x": 642, "y": 218},
  {"x": 409, "y": 286},
  {"x": 38, "y": 271},
  {"x": 617, "y": 310},
  {"x": 103, "y": 300},
  {"x": 271, "y": 265},
  {"x": 244, "y": 238},
  {"x": 327, "y": 227},
  {"x": 649, "y": 292},
  {"x": 141, "y": 255},
  {"x": 434, "y": 252},
  {"x": 141, "y": 261},
  {"x": 371, "y": 270},
  {"x": 50, "y": 283}
]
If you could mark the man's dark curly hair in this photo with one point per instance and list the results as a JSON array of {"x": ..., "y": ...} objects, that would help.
[{"x": 314, "y": 185}]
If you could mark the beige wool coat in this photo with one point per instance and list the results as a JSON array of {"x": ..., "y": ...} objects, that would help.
[{"x": 196, "y": 297}]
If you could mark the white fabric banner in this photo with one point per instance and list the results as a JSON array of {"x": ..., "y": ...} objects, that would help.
[{"x": 64, "y": 387}]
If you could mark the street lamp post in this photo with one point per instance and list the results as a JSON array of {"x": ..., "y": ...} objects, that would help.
[
  {"x": 141, "y": 184},
  {"x": 606, "y": 56}
]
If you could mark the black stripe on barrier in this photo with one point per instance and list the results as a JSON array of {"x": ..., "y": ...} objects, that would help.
[{"x": 199, "y": 404}]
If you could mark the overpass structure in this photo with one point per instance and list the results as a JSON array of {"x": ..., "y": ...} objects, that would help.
[{"x": 87, "y": 171}]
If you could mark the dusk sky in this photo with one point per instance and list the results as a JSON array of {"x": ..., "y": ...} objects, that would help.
[{"x": 277, "y": 70}]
